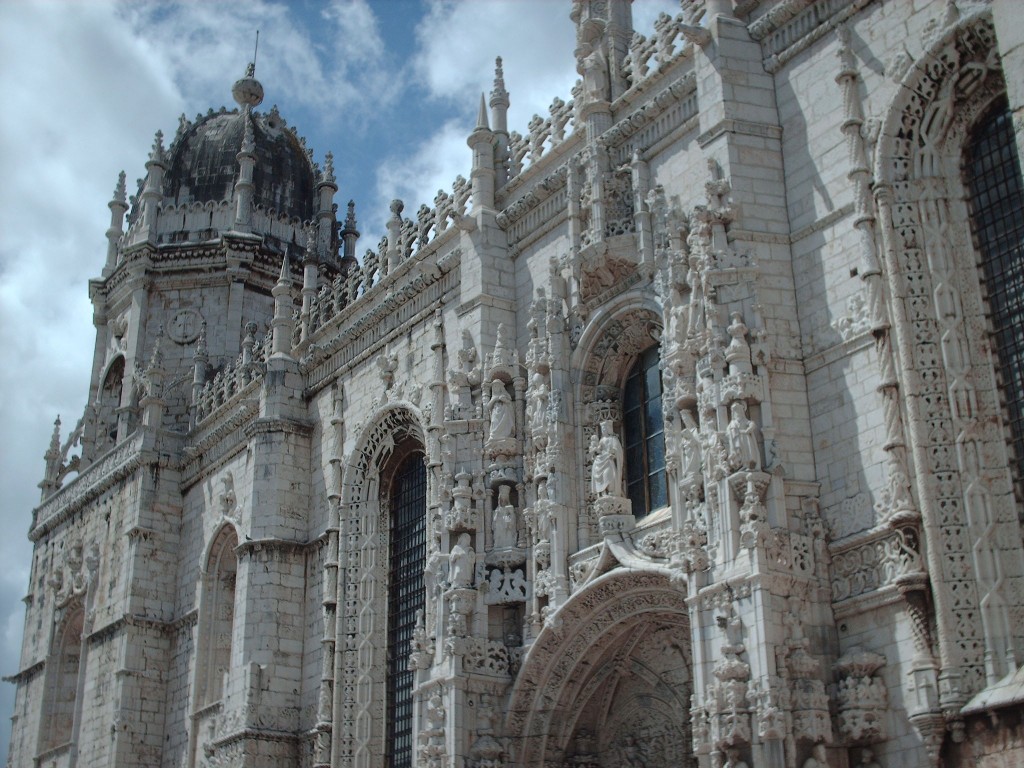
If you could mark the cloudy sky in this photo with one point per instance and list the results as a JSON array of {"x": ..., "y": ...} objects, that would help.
[{"x": 391, "y": 87}]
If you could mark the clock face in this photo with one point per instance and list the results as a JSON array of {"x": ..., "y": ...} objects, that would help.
[{"x": 184, "y": 326}]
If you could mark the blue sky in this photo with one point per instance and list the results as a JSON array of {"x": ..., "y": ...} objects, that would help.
[{"x": 391, "y": 87}]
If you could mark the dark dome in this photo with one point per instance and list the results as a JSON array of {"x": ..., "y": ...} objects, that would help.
[{"x": 202, "y": 165}]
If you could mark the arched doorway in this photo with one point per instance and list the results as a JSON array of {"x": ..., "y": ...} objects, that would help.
[{"x": 608, "y": 681}]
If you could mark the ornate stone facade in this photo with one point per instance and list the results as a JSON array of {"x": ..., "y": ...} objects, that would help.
[{"x": 792, "y": 537}]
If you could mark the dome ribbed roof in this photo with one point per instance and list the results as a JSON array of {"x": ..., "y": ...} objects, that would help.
[{"x": 202, "y": 164}]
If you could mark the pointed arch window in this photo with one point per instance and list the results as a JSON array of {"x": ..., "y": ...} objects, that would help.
[
  {"x": 996, "y": 197},
  {"x": 406, "y": 561},
  {"x": 644, "y": 434},
  {"x": 62, "y": 681},
  {"x": 218, "y": 620}
]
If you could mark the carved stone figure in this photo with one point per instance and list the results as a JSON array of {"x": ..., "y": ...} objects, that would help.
[
  {"x": 503, "y": 523},
  {"x": 461, "y": 563},
  {"x": 537, "y": 406},
  {"x": 690, "y": 448},
  {"x": 818, "y": 758},
  {"x": 606, "y": 472},
  {"x": 502, "y": 417},
  {"x": 594, "y": 68},
  {"x": 738, "y": 352},
  {"x": 744, "y": 452}
]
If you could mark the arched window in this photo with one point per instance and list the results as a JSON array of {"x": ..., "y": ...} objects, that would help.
[
  {"x": 644, "y": 435},
  {"x": 110, "y": 402},
  {"x": 62, "y": 681},
  {"x": 218, "y": 619},
  {"x": 406, "y": 561},
  {"x": 996, "y": 195}
]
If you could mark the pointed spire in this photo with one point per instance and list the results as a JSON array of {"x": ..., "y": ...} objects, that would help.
[
  {"x": 282, "y": 324},
  {"x": 285, "y": 276},
  {"x": 55, "y": 439},
  {"x": 481, "y": 116},
  {"x": 120, "y": 192}
]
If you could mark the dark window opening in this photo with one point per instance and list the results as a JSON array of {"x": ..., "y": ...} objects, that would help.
[
  {"x": 644, "y": 433},
  {"x": 406, "y": 561},
  {"x": 996, "y": 196}
]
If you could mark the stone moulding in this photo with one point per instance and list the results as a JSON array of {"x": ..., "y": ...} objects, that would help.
[
  {"x": 795, "y": 25},
  {"x": 120, "y": 462}
]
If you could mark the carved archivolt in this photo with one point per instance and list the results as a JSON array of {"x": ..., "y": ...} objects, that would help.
[
  {"x": 953, "y": 417},
  {"x": 608, "y": 678},
  {"x": 360, "y": 670},
  {"x": 619, "y": 341}
]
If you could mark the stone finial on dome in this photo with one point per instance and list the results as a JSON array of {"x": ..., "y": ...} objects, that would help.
[{"x": 248, "y": 91}]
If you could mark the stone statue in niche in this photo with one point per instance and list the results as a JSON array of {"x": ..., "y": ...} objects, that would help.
[
  {"x": 737, "y": 354},
  {"x": 537, "y": 407},
  {"x": 504, "y": 521},
  {"x": 461, "y": 563},
  {"x": 594, "y": 68},
  {"x": 818, "y": 758},
  {"x": 500, "y": 407},
  {"x": 689, "y": 444},
  {"x": 741, "y": 433},
  {"x": 606, "y": 471}
]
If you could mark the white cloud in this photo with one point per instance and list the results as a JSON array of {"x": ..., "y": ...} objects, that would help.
[
  {"x": 416, "y": 178},
  {"x": 535, "y": 39}
]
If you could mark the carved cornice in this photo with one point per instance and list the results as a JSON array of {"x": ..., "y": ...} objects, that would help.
[
  {"x": 288, "y": 426},
  {"x": 628, "y": 125},
  {"x": 26, "y": 674},
  {"x": 546, "y": 187},
  {"x": 251, "y": 547},
  {"x": 120, "y": 462}
]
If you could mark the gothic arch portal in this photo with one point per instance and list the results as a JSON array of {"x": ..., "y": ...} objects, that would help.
[
  {"x": 359, "y": 700},
  {"x": 941, "y": 353},
  {"x": 608, "y": 682}
]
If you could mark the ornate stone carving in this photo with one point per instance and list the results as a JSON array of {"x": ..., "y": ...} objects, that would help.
[{"x": 862, "y": 698}]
